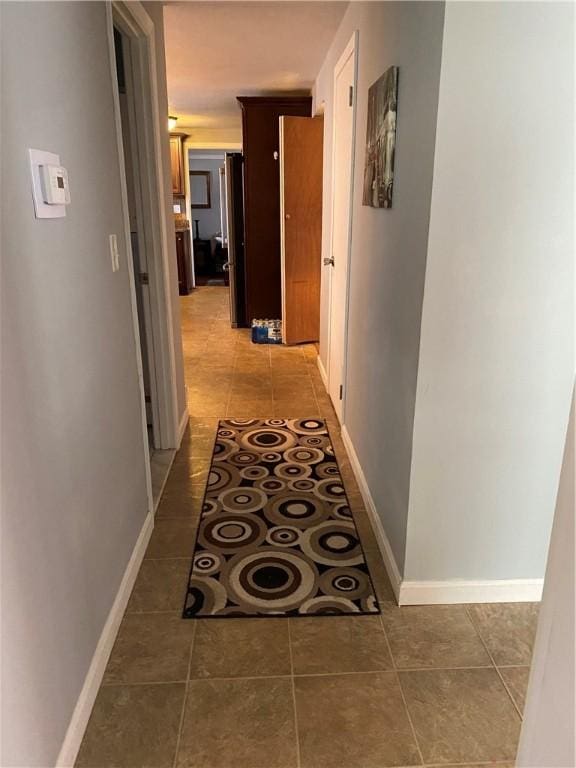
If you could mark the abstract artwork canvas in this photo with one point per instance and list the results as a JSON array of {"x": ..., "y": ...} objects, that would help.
[{"x": 381, "y": 140}]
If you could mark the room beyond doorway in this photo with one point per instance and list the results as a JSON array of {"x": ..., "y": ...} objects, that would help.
[{"x": 208, "y": 215}]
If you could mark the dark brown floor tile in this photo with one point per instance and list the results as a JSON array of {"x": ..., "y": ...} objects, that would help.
[
  {"x": 240, "y": 648},
  {"x": 171, "y": 538},
  {"x": 238, "y": 724},
  {"x": 516, "y": 679},
  {"x": 338, "y": 644},
  {"x": 151, "y": 648},
  {"x": 433, "y": 636},
  {"x": 160, "y": 586},
  {"x": 133, "y": 725},
  {"x": 353, "y": 720},
  {"x": 462, "y": 715},
  {"x": 508, "y": 629}
]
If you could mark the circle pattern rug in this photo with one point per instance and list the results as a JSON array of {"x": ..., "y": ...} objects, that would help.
[{"x": 276, "y": 536}]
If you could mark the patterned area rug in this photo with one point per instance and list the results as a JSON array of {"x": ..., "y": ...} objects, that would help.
[{"x": 276, "y": 534}]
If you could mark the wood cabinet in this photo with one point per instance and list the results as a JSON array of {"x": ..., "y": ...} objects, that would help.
[
  {"x": 260, "y": 139},
  {"x": 183, "y": 257},
  {"x": 177, "y": 163}
]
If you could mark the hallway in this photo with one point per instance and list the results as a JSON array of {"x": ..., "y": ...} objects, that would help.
[
  {"x": 422, "y": 685},
  {"x": 228, "y": 376}
]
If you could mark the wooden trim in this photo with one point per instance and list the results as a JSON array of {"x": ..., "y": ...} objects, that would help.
[{"x": 285, "y": 99}]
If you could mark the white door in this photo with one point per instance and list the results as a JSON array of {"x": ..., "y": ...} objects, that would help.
[{"x": 342, "y": 178}]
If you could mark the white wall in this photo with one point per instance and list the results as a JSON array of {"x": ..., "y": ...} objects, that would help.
[
  {"x": 73, "y": 472},
  {"x": 388, "y": 246},
  {"x": 496, "y": 363},
  {"x": 547, "y": 737}
]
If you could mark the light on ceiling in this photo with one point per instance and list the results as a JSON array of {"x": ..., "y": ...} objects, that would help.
[{"x": 172, "y": 122}]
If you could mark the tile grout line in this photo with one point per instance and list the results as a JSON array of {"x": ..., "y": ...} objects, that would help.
[
  {"x": 483, "y": 764},
  {"x": 495, "y": 666},
  {"x": 293, "y": 687},
  {"x": 184, "y": 701},
  {"x": 295, "y": 676},
  {"x": 412, "y": 728}
]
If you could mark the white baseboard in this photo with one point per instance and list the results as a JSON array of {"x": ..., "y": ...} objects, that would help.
[
  {"x": 491, "y": 591},
  {"x": 437, "y": 592},
  {"x": 183, "y": 424},
  {"x": 379, "y": 532},
  {"x": 323, "y": 374},
  {"x": 83, "y": 708}
]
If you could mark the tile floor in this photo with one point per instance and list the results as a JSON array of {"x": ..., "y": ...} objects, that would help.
[{"x": 437, "y": 685}]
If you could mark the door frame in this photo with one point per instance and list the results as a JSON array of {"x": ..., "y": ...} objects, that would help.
[
  {"x": 350, "y": 49},
  {"x": 134, "y": 22}
]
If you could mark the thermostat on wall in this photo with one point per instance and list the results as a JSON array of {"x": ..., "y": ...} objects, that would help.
[
  {"x": 50, "y": 189},
  {"x": 54, "y": 182}
]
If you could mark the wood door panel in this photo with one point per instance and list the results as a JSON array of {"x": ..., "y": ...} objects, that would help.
[
  {"x": 302, "y": 165},
  {"x": 260, "y": 139}
]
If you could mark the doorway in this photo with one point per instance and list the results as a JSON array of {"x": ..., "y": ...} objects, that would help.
[
  {"x": 338, "y": 264},
  {"x": 139, "y": 245},
  {"x": 208, "y": 212},
  {"x": 142, "y": 173}
]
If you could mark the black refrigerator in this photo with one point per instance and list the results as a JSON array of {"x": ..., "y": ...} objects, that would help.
[{"x": 234, "y": 168}]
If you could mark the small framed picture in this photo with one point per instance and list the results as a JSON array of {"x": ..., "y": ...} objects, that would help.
[{"x": 200, "y": 189}]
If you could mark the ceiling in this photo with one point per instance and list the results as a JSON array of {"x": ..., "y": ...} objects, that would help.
[{"x": 216, "y": 51}]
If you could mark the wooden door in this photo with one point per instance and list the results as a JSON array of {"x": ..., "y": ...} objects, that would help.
[
  {"x": 301, "y": 141},
  {"x": 260, "y": 138}
]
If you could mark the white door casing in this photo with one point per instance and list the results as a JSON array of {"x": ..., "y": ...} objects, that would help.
[{"x": 338, "y": 265}]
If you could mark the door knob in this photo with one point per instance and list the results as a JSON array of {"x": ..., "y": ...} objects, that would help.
[
  {"x": 287, "y": 216},
  {"x": 328, "y": 262}
]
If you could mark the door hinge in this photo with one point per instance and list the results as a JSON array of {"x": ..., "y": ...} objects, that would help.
[
  {"x": 341, "y": 392},
  {"x": 351, "y": 96},
  {"x": 144, "y": 279}
]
